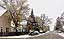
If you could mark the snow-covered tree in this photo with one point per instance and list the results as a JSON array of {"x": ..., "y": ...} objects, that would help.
[
  {"x": 45, "y": 20},
  {"x": 60, "y": 22}
]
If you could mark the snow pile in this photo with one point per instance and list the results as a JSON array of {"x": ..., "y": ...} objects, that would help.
[{"x": 61, "y": 34}]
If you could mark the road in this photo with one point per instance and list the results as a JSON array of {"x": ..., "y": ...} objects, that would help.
[{"x": 50, "y": 35}]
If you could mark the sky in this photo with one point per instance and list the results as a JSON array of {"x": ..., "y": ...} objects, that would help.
[{"x": 52, "y": 8}]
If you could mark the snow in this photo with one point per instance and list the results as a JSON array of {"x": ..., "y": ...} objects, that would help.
[
  {"x": 24, "y": 36},
  {"x": 24, "y": 22},
  {"x": 61, "y": 34},
  {"x": 12, "y": 24},
  {"x": 63, "y": 27},
  {"x": 2, "y": 11}
]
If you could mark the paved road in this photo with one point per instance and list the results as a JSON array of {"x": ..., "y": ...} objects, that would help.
[{"x": 50, "y": 35}]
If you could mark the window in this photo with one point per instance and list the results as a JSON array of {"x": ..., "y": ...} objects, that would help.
[{"x": 7, "y": 29}]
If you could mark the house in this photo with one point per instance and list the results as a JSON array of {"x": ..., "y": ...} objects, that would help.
[{"x": 5, "y": 21}]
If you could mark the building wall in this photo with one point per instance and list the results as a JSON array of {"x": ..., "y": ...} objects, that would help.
[{"x": 4, "y": 23}]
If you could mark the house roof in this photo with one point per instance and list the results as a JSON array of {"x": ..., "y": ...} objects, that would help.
[{"x": 2, "y": 11}]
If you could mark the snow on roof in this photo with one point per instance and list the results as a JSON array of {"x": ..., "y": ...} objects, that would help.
[{"x": 2, "y": 11}]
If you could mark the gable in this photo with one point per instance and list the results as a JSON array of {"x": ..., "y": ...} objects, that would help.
[{"x": 2, "y": 11}]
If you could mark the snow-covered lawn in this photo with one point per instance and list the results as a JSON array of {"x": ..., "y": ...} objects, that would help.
[{"x": 24, "y": 36}]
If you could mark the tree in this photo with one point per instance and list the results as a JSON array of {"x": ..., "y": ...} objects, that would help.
[
  {"x": 45, "y": 21},
  {"x": 60, "y": 22},
  {"x": 16, "y": 8},
  {"x": 37, "y": 19}
]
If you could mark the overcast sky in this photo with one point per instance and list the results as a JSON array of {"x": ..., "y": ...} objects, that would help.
[{"x": 52, "y": 8}]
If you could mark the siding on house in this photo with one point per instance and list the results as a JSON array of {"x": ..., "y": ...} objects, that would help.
[{"x": 4, "y": 23}]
